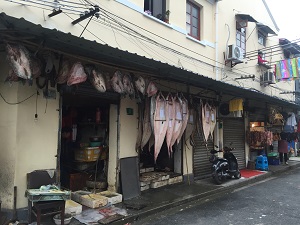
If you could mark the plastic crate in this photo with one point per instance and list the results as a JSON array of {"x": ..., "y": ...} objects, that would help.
[
  {"x": 273, "y": 161},
  {"x": 261, "y": 163}
]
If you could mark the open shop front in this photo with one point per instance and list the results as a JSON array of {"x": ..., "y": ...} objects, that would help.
[
  {"x": 85, "y": 138},
  {"x": 272, "y": 138}
]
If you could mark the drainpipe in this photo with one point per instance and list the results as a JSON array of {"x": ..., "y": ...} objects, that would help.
[
  {"x": 217, "y": 137},
  {"x": 216, "y": 39},
  {"x": 118, "y": 150}
]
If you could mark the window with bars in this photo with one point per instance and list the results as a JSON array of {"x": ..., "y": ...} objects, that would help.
[{"x": 193, "y": 20}]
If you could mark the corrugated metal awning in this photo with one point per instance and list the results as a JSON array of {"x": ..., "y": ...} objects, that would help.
[
  {"x": 246, "y": 17},
  {"x": 265, "y": 29},
  {"x": 80, "y": 47}
]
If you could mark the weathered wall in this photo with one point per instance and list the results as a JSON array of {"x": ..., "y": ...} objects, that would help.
[
  {"x": 26, "y": 144},
  {"x": 8, "y": 119}
]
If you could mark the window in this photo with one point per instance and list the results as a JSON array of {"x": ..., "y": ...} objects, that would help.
[
  {"x": 241, "y": 38},
  {"x": 156, "y": 7},
  {"x": 193, "y": 20},
  {"x": 261, "y": 38}
]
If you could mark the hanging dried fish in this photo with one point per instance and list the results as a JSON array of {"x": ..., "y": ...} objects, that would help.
[
  {"x": 151, "y": 89},
  {"x": 140, "y": 84},
  {"x": 128, "y": 85},
  {"x": 64, "y": 72},
  {"x": 19, "y": 59},
  {"x": 117, "y": 82},
  {"x": 97, "y": 80},
  {"x": 77, "y": 74}
]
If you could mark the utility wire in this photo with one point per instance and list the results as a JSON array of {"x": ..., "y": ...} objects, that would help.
[{"x": 170, "y": 42}]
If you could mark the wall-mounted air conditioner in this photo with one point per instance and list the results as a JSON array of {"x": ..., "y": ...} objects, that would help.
[
  {"x": 267, "y": 78},
  {"x": 235, "y": 53}
]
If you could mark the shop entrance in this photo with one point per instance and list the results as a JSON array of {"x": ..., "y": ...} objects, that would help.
[{"x": 84, "y": 145}]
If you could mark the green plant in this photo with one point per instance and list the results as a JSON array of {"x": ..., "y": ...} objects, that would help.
[{"x": 167, "y": 14}]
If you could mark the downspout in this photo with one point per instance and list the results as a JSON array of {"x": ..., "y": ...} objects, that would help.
[
  {"x": 118, "y": 151},
  {"x": 216, "y": 39},
  {"x": 217, "y": 135}
]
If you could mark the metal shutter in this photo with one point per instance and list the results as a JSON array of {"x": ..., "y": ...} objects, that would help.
[
  {"x": 234, "y": 131},
  {"x": 201, "y": 165}
]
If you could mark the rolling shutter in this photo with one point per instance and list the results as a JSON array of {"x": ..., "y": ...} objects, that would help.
[
  {"x": 234, "y": 132},
  {"x": 201, "y": 165}
]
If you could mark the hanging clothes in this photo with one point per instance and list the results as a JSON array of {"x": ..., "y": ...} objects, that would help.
[{"x": 236, "y": 106}]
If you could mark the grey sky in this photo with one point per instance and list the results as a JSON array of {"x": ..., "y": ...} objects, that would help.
[{"x": 286, "y": 14}]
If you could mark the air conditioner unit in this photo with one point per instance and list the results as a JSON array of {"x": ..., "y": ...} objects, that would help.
[
  {"x": 235, "y": 53},
  {"x": 268, "y": 78}
]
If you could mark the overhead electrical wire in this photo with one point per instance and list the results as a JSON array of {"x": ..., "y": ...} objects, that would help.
[{"x": 152, "y": 34}]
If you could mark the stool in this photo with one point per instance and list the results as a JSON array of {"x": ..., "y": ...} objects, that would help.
[{"x": 261, "y": 163}]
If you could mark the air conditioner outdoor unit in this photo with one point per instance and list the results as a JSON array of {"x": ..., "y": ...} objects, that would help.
[
  {"x": 268, "y": 78},
  {"x": 235, "y": 53}
]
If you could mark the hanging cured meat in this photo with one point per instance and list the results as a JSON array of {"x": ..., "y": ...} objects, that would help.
[
  {"x": 128, "y": 85},
  {"x": 140, "y": 84},
  {"x": 64, "y": 72},
  {"x": 185, "y": 117},
  {"x": 146, "y": 124},
  {"x": 77, "y": 74},
  {"x": 161, "y": 121},
  {"x": 12, "y": 77},
  {"x": 36, "y": 67},
  {"x": 19, "y": 59},
  {"x": 178, "y": 120},
  {"x": 190, "y": 124},
  {"x": 151, "y": 89},
  {"x": 140, "y": 127},
  {"x": 212, "y": 120},
  {"x": 171, "y": 114},
  {"x": 97, "y": 80},
  {"x": 206, "y": 120},
  {"x": 152, "y": 111},
  {"x": 117, "y": 82}
]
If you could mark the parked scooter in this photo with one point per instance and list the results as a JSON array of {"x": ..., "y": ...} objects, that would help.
[{"x": 223, "y": 168}]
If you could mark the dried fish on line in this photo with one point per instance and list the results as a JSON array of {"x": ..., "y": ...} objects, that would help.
[
  {"x": 170, "y": 129},
  {"x": 178, "y": 120},
  {"x": 77, "y": 74},
  {"x": 117, "y": 82},
  {"x": 97, "y": 80},
  {"x": 160, "y": 123},
  {"x": 146, "y": 124},
  {"x": 128, "y": 85},
  {"x": 140, "y": 84},
  {"x": 19, "y": 59},
  {"x": 151, "y": 89},
  {"x": 185, "y": 117}
]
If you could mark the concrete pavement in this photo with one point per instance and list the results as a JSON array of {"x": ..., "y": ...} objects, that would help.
[{"x": 156, "y": 200}]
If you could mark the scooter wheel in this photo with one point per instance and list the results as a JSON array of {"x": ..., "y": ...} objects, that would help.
[
  {"x": 217, "y": 179},
  {"x": 237, "y": 175}
]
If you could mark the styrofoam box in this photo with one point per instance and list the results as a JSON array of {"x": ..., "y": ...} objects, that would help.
[
  {"x": 76, "y": 195},
  {"x": 72, "y": 208},
  {"x": 94, "y": 200},
  {"x": 113, "y": 197}
]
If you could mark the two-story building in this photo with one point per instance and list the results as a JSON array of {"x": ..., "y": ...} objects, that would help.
[{"x": 204, "y": 51}]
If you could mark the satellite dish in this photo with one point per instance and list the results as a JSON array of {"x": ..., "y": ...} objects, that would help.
[{"x": 224, "y": 109}]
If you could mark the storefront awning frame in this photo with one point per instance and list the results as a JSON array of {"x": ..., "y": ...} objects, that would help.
[{"x": 110, "y": 56}]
